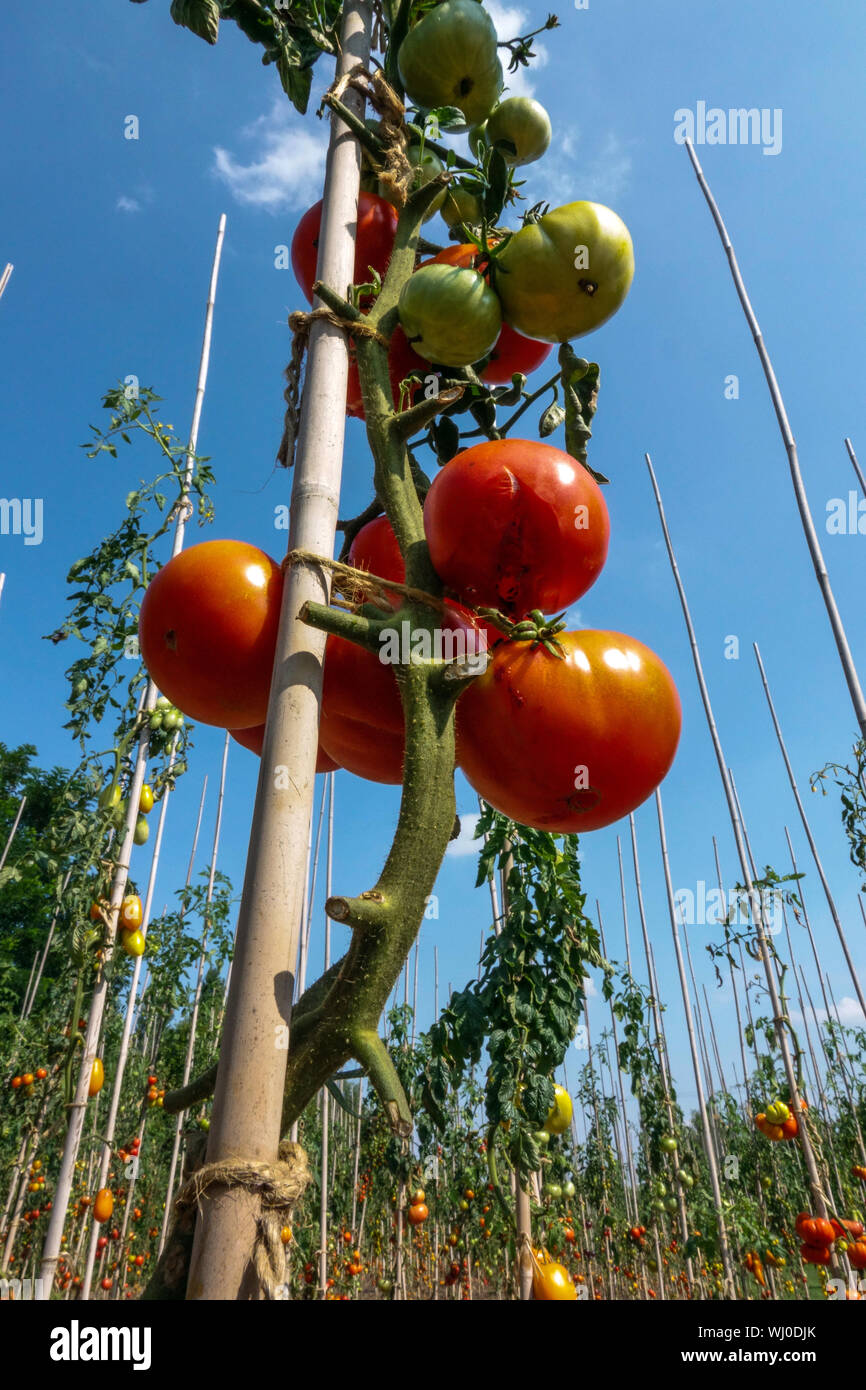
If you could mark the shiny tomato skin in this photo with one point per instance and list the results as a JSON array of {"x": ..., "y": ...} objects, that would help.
[
  {"x": 571, "y": 744},
  {"x": 551, "y": 1282},
  {"x": 512, "y": 352},
  {"x": 103, "y": 1207},
  {"x": 376, "y": 226},
  {"x": 515, "y": 524},
  {"x": 449, "y": 314},
  {"x": 403, "y": 361},
  {"x": 208, "y": 631},
  {"x": 254, "y": 740}
]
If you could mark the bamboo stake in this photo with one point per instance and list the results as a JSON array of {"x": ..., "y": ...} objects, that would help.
[
  {"x": 323, "y": 1203},
  {"x": 12, "y": 832},
  {"x": 117, "y": 1087},
  {"x": 845, "y": 657},
  {"x": 29, "y": 1002},
  {"x": 246, "y": 1119},
  {"x": 856, "y": 466},
  {"x": 709, "y": 1147},
  {"x": 5, "y": 277},
  {"x": 815, "y": 1180},
  {"x": 196, "y": 1002},
  {"x": 840, "y": 931},
  {"x": 629, "y": 1154}
]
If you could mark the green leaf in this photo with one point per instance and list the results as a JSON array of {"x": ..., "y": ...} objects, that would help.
[{"x": 201, "y": 17}]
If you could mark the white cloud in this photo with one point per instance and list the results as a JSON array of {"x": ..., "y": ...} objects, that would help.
[
  {"x": 850, "y": 1013},
  {"x": 569, "y": 172},
  {"x": 286, "y": 169},
  {"x": 125, "y": 204},
  {"x": 465, "y": 844},
  {"x": 589, "y": 988},
  {"x": 510, "y": 21}
]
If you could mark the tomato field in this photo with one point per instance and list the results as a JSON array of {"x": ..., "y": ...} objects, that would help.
[{"x": 432, "y": 864}]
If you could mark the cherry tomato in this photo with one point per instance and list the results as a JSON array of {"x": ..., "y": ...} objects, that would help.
[
  {"x": 208, "y": 631},
  {"x": 97, "y": 1077},
  {"x": 418, "y": 1214},
  {"x": 572, "y": 743},
  {"x": 145, "y": 801},
  {"x": 375, "y": 229},
  {"x": 516, "y": 525}
]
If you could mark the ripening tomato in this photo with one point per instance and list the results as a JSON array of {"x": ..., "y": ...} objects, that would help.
[
  {"x": 572, "y": 743},
  {"x": 816, "y": 1254},
  {"x": 512, "y": 352},
  {"x": 566, "y": 274},
  {"x": 97, "y": 1077},
  {"x": 551, "y": 1283},
  {"x": 418, "y": 1214},
  {"x": 376, "y": 226},
  {"x": 814, "y": 1230},
  {"x": 133, "y": 943},
  {"x": 145, "y": 801},
  {"x": 403, "y": 362},
  {"x": 208, "y": 631},
  {"x": 131, "y": 912},
  {"x": 516, "y": 525},
  {"x": 254, "y": 740},
  {"x": 141, "y": 834},
  {"x": 449, "y": 314},
  {"x": 105, "y": 1283},
  {"x": 857, "y": 1254},
  {"x": 103, "y": 1207},
  {"x": 560, "y": 1113}
]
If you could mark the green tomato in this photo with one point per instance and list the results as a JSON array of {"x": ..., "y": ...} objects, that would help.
[
  {"x": 204, "y": 1124},
  {"x": 566, "y": 274},
  {"x": 459, "y": 205},
  {"x": 450, "y": 58},
  {"x": 542, "y": 1138},
  {"x": 163, "y": 702},
  {"x": 109, "y": 797},
  {"x": 141, "y": 832},
  {"x": 156, "y": 719},
  {"x": 569, "y": 1188},
  {"x": 553, "y": 1190},
  {"x": 385, "y": 1286},
  {"x": 668, "y": 1143},
  {"x": 170, "y": 719},
  {"x": 671, "y": 1204},
  {"x": 658, "y": 1204},
  {"x": 449, "y": 315},
  {"x": 522, "y": 124}
]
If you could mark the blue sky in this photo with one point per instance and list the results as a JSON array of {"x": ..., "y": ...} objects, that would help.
[{"x": 111, "y": 240}]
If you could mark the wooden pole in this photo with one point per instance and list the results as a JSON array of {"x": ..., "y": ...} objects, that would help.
[{"x": 12, "y": 832}]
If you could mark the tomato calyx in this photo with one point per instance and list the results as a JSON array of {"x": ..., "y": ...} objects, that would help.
[{"x": 537, "y": 629}]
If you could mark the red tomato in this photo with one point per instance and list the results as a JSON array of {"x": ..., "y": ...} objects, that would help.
[
  {"x": 253, "y": 739},
  {"x": 512, "y": 351},
  {"x": 376, "y": 226},
  {"x": 815, "y": 1230},
  {"x": 570, "y": 744},
  {"x": 362, "y": 716},
  {"x": 208, "y": 631},
  {"x": 516, "y": 525},
  {"x": 375, "y": 549},
  {"x": 403, "y": 360},
  {"x": 418, "y": 1214},
  {"x": 816, "y": 1254}
]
